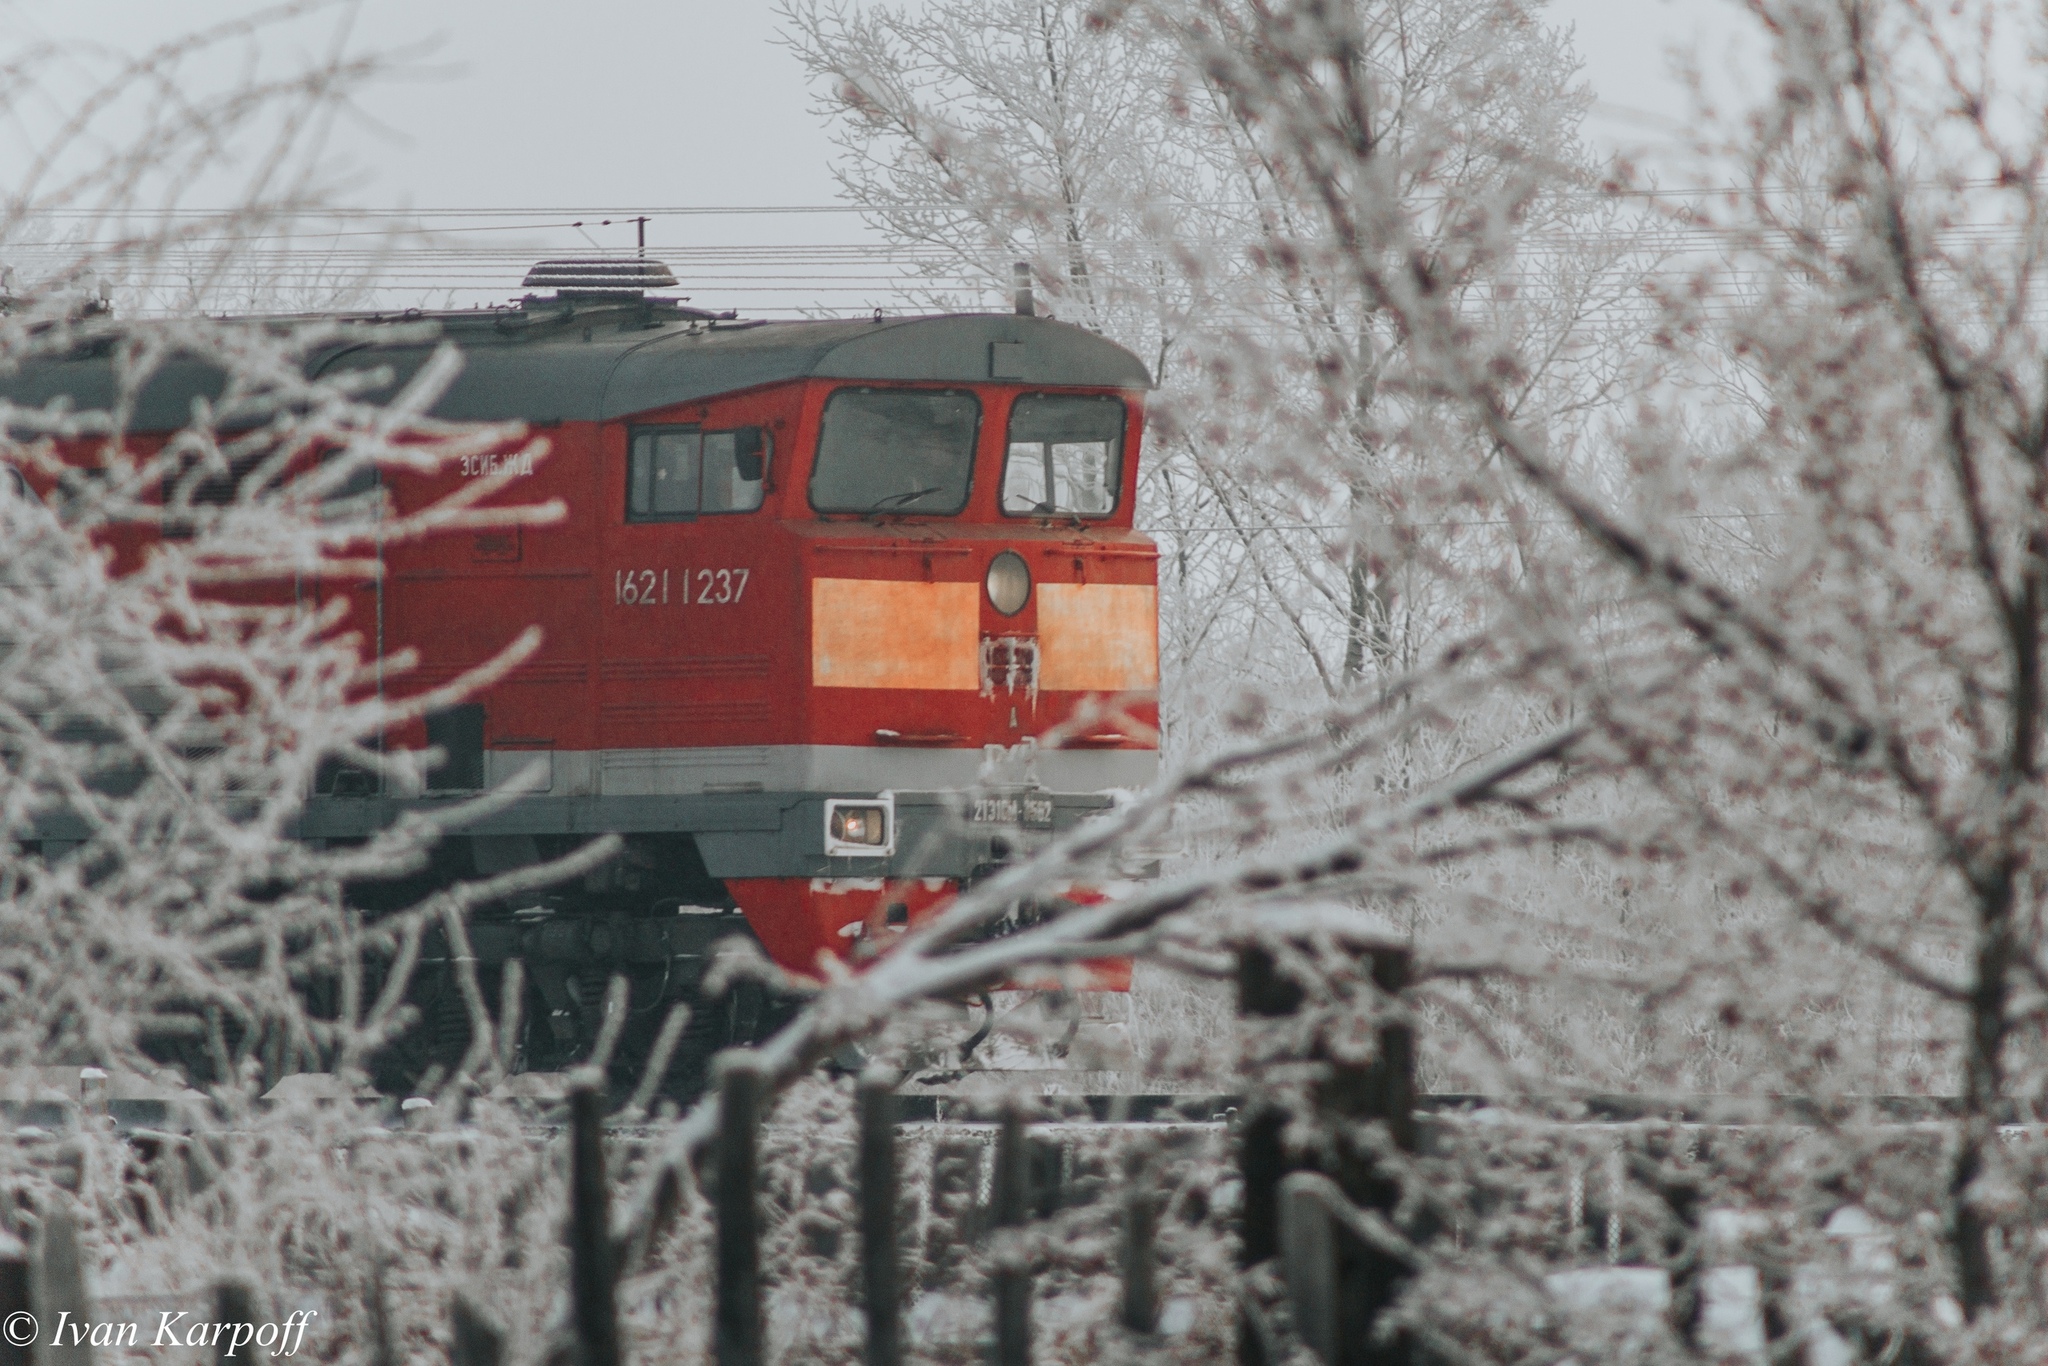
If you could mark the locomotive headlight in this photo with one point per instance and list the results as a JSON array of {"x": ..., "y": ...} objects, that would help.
[
  {"x": 857, "y": 825},
  {"x": 860, "y": 828},
  {"x": 1009, "y": 583}
]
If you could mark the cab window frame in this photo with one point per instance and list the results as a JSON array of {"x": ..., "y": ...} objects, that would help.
[
  {"x": 973, "y": 454},
  {"x": 636, "y": 431},
  {"x": 1115, "y": 487}
]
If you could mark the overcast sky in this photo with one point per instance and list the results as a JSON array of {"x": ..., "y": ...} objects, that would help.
[{"x": 614, "y": 104}]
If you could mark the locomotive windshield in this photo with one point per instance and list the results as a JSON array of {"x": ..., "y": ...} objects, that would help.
[
  {"x": 884, "y": 451},
  {"x": 1065, "y": 456}
]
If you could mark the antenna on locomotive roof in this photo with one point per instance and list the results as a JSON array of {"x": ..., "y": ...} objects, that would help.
[{"x": 1020, "y": 278}]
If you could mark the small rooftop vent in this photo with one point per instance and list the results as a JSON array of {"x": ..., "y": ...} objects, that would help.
[{"x": 619, "y": 276}]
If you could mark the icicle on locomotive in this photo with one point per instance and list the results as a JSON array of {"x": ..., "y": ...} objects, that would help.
[{"x": 819, "y": 587}]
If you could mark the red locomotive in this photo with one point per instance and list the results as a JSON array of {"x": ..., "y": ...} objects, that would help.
[{"x": 820, "y": 587}]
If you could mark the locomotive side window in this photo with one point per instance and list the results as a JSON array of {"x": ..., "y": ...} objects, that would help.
[
  {"x": 675, "y": 473},
  {"x": 663, "y": 479},
  {"x": 1066, "y": 456},
  {"x": 734, "y": 463},
  {"x": 896, "y": 451}
]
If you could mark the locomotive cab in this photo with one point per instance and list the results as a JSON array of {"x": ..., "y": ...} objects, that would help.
[{"x": 841, "y": 616}]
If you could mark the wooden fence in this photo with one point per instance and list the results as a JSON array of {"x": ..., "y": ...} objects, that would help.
[
  {"x": 1327, "y": 1233},
  {"x": 43, "y": 1277},
  {"x": 1318, "y": 1225}
]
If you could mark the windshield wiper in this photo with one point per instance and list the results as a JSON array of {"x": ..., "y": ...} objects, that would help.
[{"x": 903, "y": 499}]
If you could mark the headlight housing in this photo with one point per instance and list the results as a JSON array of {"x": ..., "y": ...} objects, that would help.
[
  {"x": 1008, "y": 583},
  {"x": 860, "y": 827}
]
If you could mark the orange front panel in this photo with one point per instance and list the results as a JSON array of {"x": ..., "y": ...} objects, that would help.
[
  {"x": 882, "y": 633},
  {"x": 1098, "y": 637}
]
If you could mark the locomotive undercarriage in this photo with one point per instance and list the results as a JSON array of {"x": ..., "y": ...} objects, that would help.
[
  {"x": 658, "y": 915},
  {"x": 652, "y": 916}
]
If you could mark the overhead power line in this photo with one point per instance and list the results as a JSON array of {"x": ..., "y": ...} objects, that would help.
[
  {"x": 586, "y": 211},
  {"x": 434, "y": 256}
]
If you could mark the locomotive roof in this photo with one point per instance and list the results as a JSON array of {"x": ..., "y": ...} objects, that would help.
[{"x": 580, "y": 361}]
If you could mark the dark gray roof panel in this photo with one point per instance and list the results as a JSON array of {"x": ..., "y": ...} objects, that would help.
[
  {"x": 680, "y": 366},
  {"x": 544, "y": 370},
  {"x": 87, "y": 385},
  {"x": 541, "y": 381}
]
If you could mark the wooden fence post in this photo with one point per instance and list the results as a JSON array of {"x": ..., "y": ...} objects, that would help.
[
  {"x": 1262, "y": 1161},
  {"x": 1391, "y": 1078},
  {"x": 591, "y": 1285},
  {"x": 233, "y": 1302},
  {"x": 1262, "y": 993},
  {"x": 59, "y": 1289},
  {"x": 1367, "y": 1279},
  {"x": 1321, "y": 1236},
  {"x": 1309, "y": 1263},
  {"x": 1140, "y": 1258},
  {"x": 383, "y": 1342},
  {"x": 14, "y": 1299},
  {"x": 475, "y": 1338},
  {"x": 881, "y": 1273},
  {"x": 738, "y": 1332},
  {"x": 1009, "y": 1207},
  {"x": 954, "y": 1219}
]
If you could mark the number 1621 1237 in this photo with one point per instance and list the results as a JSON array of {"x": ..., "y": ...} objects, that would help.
[{"x": 682, "y": 587}]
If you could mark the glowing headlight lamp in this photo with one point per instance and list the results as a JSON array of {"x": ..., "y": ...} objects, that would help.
[{"x": 860, "y": 827}]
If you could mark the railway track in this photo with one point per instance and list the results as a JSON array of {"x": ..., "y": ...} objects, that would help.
[{"x": 971, "y": 1098}]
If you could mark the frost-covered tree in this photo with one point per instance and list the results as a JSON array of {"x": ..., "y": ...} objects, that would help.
[
  {"x": 1154, "y": 210},
  {"x": 1805, "y": 761},
  {"x": 1736, "y": 751}
]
